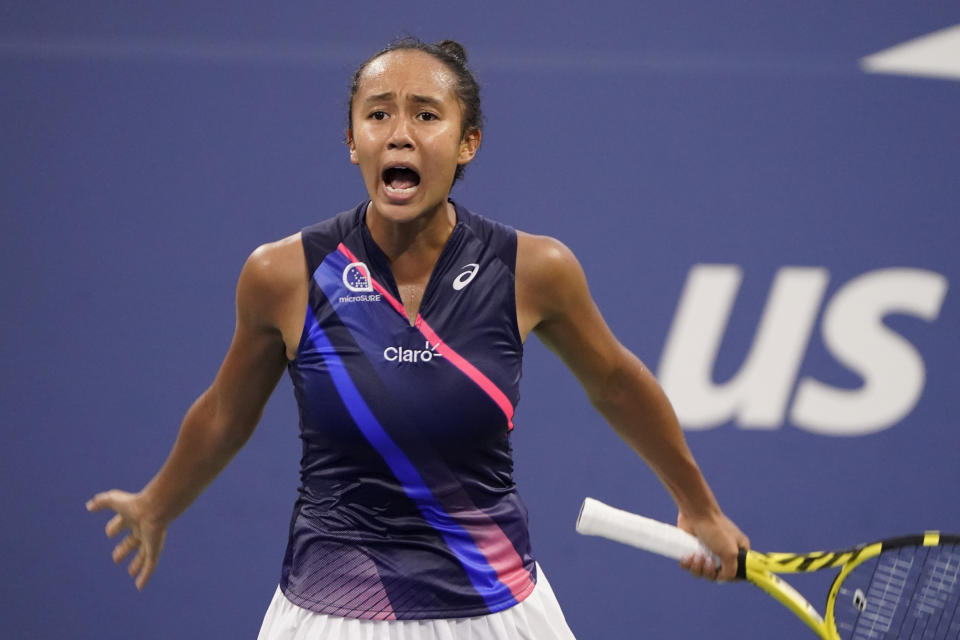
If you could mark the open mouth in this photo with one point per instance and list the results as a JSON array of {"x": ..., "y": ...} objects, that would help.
[{"x": 400, "y": 178}]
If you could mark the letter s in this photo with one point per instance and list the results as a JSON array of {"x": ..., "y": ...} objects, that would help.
[{"x": 893, "y": 372}]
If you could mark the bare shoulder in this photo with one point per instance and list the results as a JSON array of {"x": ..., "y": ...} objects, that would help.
[
  {"x": 549, "y": 279},
  {"x": 273, "y": 274},
  {"x": 275, "y": 265},
  {"x": 534, "y": 248},
  {"x": 545, "y": 264}
]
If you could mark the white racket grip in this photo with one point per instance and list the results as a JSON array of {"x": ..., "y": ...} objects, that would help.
[{"x": 599, "y": 519}]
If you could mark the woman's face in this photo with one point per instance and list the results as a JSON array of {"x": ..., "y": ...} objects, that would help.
[{"x": 405, "y": 133}]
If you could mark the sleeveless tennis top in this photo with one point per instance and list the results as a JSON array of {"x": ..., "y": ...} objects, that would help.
[{"x": 407, "y": 507}]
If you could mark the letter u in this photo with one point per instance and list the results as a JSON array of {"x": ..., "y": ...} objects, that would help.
[{"x": 757, "y": 395}]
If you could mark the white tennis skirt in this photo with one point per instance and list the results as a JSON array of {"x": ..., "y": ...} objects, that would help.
[{"x": 538, "y": 617}]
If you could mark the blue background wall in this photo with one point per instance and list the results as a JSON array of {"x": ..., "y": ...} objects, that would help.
[{"x": 148, "y": 150}]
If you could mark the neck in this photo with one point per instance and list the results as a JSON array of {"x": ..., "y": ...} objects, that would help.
[{"x": 423, "y": 236}]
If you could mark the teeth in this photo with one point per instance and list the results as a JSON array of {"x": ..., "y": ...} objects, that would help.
[{"x": 407, "y": 190}]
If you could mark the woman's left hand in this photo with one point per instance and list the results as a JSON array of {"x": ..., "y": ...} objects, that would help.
[{"x": 719, "y": 534}]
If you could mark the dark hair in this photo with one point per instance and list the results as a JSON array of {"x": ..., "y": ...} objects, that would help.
[{"x": 454, "y": 56}]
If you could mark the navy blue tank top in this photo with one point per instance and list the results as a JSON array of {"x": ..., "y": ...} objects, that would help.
[{"x": 407, "y": 507}]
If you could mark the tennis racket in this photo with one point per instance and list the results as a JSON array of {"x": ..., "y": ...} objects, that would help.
[{"x": 895, "y": 589}]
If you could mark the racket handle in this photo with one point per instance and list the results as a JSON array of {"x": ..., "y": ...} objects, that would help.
[{"x": 599, "y": 519}]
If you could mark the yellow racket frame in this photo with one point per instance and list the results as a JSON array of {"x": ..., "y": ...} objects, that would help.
[{"x": 761, "y": 568}]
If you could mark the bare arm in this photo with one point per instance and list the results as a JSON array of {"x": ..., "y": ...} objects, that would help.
[
  {"x": 554, "y": 302},
  {"x": 220, "y": 421}
]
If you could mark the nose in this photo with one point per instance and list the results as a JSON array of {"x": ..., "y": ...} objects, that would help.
[{"x": 400, "y": 137}]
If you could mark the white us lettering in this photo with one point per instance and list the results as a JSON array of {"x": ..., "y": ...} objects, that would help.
[{"x": 758, "y": 395}]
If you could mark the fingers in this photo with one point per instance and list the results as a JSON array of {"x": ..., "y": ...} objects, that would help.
[
  {"x": 701, "y": 566},
  {"x": 727, "y": 571},
  {"x": 743, "y": 541},
  {"x": 730, "y": 568},
  {"x": 116, "y": 524},
  {"x": 96, "y": 502},
  {"x": 118, "y": 501},
  {"x": 142, "y": 565},
  {"x": 136, "y": 565},
  {"x": 123, "y": 549},
  {"x": 149, "y": 564},
  {"x": 104, "y": 500}
]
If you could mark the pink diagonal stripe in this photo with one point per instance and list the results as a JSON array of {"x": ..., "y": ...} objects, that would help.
[{"x": 471, "y": 371}]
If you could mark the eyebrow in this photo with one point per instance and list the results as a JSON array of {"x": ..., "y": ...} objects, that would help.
[{"x": 390, "y": 95}]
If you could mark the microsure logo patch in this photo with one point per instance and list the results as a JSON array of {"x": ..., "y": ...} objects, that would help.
[
  {"x": 356, "y": 277},
  {"x": 366, "y": 297}
]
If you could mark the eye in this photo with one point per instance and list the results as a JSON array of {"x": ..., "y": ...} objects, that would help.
[
  {"x": 378, "y": 115},
  {"x": 426, "y": 115}
]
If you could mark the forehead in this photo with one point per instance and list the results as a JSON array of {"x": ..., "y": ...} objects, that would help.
[{"x": 407, "y": 71}]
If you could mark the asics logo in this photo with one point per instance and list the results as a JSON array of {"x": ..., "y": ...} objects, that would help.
[
  {"x": 356, "y": 277},
  {"x": 467, "y": 276},
  {"x": 404, "y": 354}
]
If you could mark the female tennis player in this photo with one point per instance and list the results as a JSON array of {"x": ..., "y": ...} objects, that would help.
[{"x": 401, "y": 322}]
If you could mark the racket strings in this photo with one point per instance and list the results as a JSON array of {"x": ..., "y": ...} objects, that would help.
[
  {"x": 907, "y": 593},
  {"x": 939, "y": 596},
  {"x": 936, "y": 603}
]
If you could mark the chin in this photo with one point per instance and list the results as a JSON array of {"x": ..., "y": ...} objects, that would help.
[
  {"x": 405, "y": 211},
  {"x": 398, "y": 212}
]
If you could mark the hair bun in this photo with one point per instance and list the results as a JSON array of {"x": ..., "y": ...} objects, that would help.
[{"x": 453, "y": 49}]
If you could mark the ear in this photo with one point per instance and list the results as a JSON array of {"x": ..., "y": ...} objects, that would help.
[
  {"x": 469, "y": 145},
  {"x": 352, "y": 146}
]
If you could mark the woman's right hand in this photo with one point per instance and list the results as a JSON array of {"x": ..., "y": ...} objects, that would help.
[
  {"x": 146, "y": 534},
  {"x": 271, "y": 296}
]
